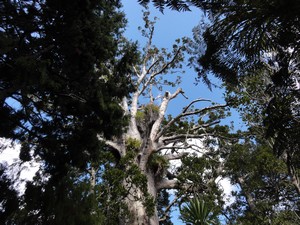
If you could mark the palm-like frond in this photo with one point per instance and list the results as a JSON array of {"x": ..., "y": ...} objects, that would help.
[{"x": 197, "y": 212}]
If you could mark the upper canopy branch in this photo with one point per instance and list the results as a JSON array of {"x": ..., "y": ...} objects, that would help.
[
  {"x": 189, "y": 113},
  {"x": 185, "y": 113},
  {"x": 149, "y": 44},
  {"x": 159, "y": 71},
  {"x": 182, "y": 137},
  {"x": 206, "y": 125},
  {"x": 166, "y": 65},
  {"x": 162, "y": 110},
  {"x": 193, "y": 102},
  {"x": 176, "y": 148}
]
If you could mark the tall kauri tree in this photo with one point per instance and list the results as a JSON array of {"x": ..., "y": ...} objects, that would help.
[{"x": 153, "y": 140}]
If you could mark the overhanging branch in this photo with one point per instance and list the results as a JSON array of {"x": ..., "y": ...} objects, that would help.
[{"x": 111, "y": 144}]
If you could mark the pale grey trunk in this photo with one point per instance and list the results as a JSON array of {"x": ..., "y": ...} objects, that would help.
[{"x": 139, "y": 214}]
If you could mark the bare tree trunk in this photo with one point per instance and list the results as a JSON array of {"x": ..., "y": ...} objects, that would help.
[{"x": 139, "y": 214}]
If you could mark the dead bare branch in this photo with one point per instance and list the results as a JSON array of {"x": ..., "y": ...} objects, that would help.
[
  {"x": 149, "y": 43},
  {"x": 166, "y": 65},
  {"x": 204, "y": 109},
  {"x": 193, "y": 102}
]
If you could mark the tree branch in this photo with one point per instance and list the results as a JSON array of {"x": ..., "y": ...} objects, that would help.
[
  {"x": 162, "y": 110},
  {"x": 167, "y": 184},
  {"x": 181, "y": 137},
  {"x": 163, "y": 68},
  {"x": 166, "y": 65},
  {"x": 184, "y": 146},
  {"x": 173, "y": 184},
  {"x": 203, "y": 110},
  {"x": 112, "y": 144},
  {"x": 206, "y": 125},
  {"x": 185, "y": 113},
  {"x": 149, "y": 43},
  {"x": 175, "y": 156},
  {"x": 193, "y": 102},
  {"x": 166, "y": 212}
]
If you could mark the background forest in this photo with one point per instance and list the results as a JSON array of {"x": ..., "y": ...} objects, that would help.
[{"x": 90, "y": 109}]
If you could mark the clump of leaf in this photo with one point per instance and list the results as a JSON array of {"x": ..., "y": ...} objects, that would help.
[
  {"x": 140, "y": 116},
  {"x": 150, "y": 204},
  {"x": 133, "y": 144},
  {"x": 158, "y": 164}
]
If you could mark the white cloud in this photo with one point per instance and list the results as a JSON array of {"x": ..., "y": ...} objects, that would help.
[
  {"x": 227, "y": 187},
  {"x": 16, "y": 170}
]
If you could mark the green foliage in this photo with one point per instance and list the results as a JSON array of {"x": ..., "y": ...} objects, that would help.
[
  {"x": 246, "y": 45},
  {"x": 158, "y": 164},
  {"x": 66, "y": 201},
  {"x": 201, "y": 173},
  {"x": 133, "y": 144},
  {"x": 261, "y": 175},
  {"x": 197, "y": 212},
  {"x": 146, "y": 113},
  {"x": 140, "y": 116},
  {"x": 64, "y": 70},
  {"x": 51, "y": 83},
  {"x": 150, "y": 204},
  {"x": 149, "y": 108},
  {"x": 175, "y": 5}
]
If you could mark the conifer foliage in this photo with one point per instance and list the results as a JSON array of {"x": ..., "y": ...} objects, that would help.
[{"x": 63, "y": 68}]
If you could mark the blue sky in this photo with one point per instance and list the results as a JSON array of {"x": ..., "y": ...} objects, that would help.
[{"x": 171, "y": 26}]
